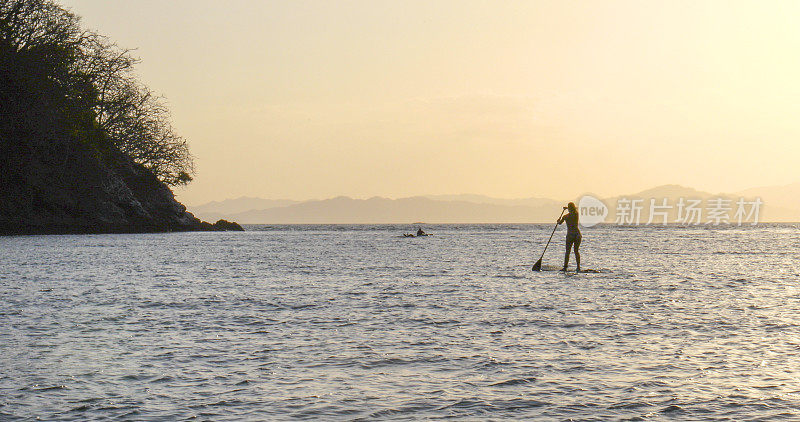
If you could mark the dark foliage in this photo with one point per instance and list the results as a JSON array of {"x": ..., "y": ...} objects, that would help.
[{"x": 59, "y": 83}]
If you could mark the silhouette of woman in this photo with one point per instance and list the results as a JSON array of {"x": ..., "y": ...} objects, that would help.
[{"x": 573, "y": 234}]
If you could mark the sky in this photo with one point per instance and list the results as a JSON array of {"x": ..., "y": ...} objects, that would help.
[{"x": 315, "y": 99}]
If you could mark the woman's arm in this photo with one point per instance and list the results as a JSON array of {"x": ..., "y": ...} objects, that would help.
[{"x": 562, "y": 218}]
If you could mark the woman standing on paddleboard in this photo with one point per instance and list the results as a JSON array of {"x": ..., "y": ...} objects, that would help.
[{"x": 573, "y": 234}]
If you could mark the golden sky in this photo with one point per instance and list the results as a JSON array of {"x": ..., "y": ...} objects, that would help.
[{"x": 314, "y": 99}]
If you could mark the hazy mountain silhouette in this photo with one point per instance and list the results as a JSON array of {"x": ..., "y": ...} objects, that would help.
[
  {"x": 482, "y": 199},
  {"x": 671, "y": 191},
  {"x": 784, "y": 196},
  {"x": 769, "y": 211},
  {"x": 383, "y": 210},
  {"x": 405, "y": 210},
  {"x": 466, "y": 208},
  {"x": 218, "y": 209}
]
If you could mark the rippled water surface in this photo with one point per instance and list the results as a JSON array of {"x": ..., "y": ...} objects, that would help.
[{"x": 355, "y": 322}]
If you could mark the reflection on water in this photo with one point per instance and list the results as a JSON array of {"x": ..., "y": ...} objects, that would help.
[{"x": 349, "y": 322}]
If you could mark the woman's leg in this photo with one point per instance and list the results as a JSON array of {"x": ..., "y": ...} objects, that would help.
[
  {"x": 577, "y": 244},
  {"x": 566, "y": 253}
]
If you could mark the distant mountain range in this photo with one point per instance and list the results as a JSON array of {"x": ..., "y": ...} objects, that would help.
[
  {"x": 770, "y": 210},
  {"x": 781, "y": 204},
  {"x": 228, "y": 208}
]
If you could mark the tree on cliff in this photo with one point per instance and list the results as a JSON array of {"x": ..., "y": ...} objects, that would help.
[{"x": 63, "y": 81}]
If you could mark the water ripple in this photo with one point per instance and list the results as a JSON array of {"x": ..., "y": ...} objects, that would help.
[{"x": 348, "y": 323}]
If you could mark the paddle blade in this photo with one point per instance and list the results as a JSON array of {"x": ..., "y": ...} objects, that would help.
[{"x": 537, "y": 266}]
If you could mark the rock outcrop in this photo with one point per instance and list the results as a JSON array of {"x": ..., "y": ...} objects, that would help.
[
  {"x": 61, "y": 187},
  {"x": 225, "y": 226}
]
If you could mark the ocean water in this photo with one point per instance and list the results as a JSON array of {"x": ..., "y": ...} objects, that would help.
[{"x": 358, "y": 323}]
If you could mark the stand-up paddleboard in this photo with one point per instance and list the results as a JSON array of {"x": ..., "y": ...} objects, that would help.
[{"x": 547, "y": 268}]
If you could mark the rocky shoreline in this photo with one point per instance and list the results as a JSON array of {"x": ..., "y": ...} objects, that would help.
[{"x": 74, "y": 191}]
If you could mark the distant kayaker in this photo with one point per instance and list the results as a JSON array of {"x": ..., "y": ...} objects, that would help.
[
  {"x": 420, "y": 232},
  {"x": 573, "y": 234}
]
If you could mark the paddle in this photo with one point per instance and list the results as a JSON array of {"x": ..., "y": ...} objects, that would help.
[{"x": 538, "y": 265}]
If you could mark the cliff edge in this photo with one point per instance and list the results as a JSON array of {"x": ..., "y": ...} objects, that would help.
[{"x": 66, "y": 187}]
